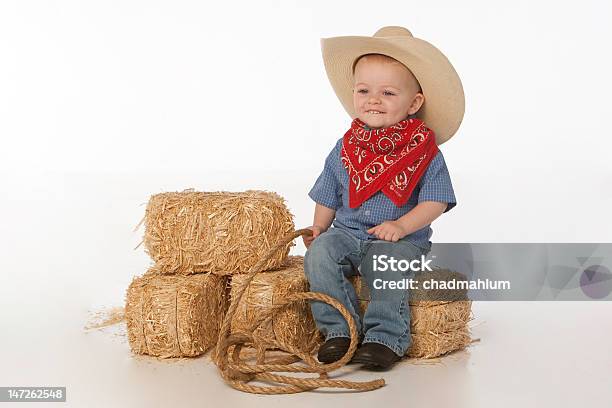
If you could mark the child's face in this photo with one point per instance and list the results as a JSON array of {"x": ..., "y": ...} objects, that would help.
[{"x": 389, "y": 88}]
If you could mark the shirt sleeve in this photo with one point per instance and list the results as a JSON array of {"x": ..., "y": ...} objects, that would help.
[
  {"x": 436, "y": 183},
  {"x": 326, "y": 190}
]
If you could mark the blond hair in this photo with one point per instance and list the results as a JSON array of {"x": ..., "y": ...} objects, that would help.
[{"x": 385, "y": 59}]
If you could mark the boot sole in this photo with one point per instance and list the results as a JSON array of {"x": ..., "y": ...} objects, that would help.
[
  {"x": 373, "y": 365},
  {"x": 328, "y": 358}
]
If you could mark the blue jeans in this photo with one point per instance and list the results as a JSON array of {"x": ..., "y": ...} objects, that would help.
[{"x": 335, "y": 255}]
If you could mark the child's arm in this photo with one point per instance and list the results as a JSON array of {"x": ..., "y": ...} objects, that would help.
[
  {"x": 423, "y": 214},
  {"x": 323, "y": 218},
  {"x": 435, "y": 197}
]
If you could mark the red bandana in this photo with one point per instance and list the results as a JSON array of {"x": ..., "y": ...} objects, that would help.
[{"x": 390, "y": 159}]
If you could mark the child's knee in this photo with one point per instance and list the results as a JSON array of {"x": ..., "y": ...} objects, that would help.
[
  {"x": 321, "y": 256},
  {"x": 317, "y": 252},
  {"x": 319, "y": 247}
]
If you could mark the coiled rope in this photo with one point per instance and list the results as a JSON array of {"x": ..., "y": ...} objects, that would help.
[{"x": 238, "y": 373}]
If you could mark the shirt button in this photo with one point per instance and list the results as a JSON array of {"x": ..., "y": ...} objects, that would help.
[{"x": 367, "y": 212}]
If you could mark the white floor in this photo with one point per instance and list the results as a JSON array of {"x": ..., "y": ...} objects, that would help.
[{"x": 533, "y": 354}]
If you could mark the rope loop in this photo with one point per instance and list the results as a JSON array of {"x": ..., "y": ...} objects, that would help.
[{"x": 238, "y": 374}]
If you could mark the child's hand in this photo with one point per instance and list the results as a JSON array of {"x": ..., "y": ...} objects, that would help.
[
  {"x": 316, "y": 231},
  {"x": 389, "y": 231}
]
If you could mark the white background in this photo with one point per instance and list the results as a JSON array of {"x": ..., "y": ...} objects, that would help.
[{"x": 103, "y": 104}]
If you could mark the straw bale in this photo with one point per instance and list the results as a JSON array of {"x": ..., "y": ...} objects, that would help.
[
  {"x": 436, "y": 344},
  {"x": 221, "y": 232},
  {"x": 293, "y": 324},
  {"x": 363, "y": 305},
  {"x": 437, "y": 327},
  {"x": 361, "y": 289},
  {"x": 175, "y": 316},
  {"x": 426, "y": 317}
]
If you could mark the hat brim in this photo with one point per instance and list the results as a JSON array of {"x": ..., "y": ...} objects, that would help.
[{"x": 444, "y": 104}]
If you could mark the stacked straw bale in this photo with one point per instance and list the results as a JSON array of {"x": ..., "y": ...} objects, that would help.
[
  {"x": 218, "y": 232},
  {"x": 198, "y": 239},
  {"x": 438, "y": 321},
  {"x": 175, "y": 316},
  {"x": 293, "y": 324}
]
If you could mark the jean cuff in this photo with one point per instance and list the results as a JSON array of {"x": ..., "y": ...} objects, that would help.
[{"x": 332, "y": 335}]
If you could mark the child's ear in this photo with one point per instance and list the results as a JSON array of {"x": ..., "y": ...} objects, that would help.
[{"x": 418, "y": 101}]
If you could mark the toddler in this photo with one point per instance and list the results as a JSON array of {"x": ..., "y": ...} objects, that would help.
[{"x": 382, "y": 185}]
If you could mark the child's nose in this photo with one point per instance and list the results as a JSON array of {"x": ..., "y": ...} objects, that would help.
[{"x": 374, "y": 99}]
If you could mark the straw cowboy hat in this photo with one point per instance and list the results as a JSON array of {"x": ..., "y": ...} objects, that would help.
[{"x": 444, "y": 103}]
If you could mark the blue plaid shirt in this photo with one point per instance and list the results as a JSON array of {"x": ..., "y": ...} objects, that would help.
[{"x": 331, "y": 190}]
